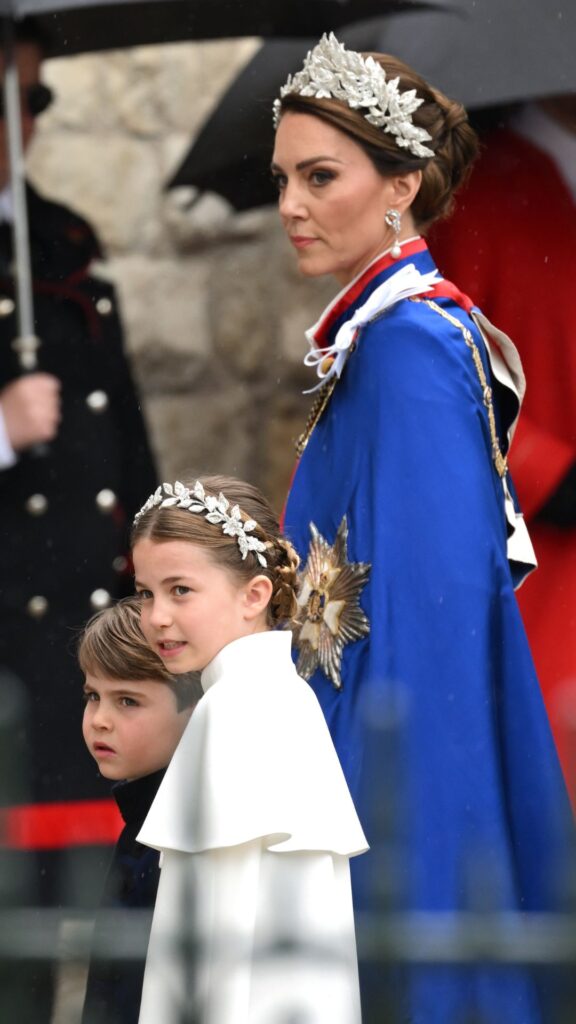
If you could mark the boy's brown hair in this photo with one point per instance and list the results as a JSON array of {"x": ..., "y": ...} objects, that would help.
[{"x": 113, "y": 646}]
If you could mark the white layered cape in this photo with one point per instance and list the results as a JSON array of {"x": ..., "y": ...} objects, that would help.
[{"x": 256, "y": 827}]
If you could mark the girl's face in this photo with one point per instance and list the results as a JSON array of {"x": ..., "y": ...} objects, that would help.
[
  {"x": 332, "y": 199},
  {"x": 131, "y": 728},
  {"x": 191, "y": 608}
]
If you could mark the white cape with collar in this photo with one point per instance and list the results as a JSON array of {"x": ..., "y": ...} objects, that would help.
[{"x": 256, "y": 827}]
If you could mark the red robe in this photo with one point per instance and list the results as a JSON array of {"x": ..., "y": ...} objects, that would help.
[{"x": 511, "y": 245}]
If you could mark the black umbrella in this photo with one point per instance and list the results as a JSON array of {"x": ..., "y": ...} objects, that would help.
[
  {"x": 77, "y": 26},
  {"x": 481, "y": 52}
]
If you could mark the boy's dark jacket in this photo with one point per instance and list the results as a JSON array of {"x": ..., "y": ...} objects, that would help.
[{"x": 114, "y": 988}]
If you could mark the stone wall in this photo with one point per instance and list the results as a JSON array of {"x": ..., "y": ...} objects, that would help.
[{"x": 213, "y": 308}]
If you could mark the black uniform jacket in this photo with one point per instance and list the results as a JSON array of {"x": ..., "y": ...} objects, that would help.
[{"x": 64, "y": 515}]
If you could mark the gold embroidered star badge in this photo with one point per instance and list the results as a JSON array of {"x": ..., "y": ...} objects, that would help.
[{"x": 329, "y": 614}]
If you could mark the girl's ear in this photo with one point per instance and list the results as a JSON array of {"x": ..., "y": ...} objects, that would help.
[{"x": 257, "y": 595}]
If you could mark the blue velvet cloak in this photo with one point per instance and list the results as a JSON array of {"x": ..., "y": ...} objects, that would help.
[{"x": 466, "y": 788}]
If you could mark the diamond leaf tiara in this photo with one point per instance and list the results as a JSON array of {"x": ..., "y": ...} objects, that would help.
[
  {"x": 330, "y": 71},
  {"x": 217, "y": 510}
]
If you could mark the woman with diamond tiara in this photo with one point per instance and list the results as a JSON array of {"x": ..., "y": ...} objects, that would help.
[
  {"x": 253, "y": 921},
  {"x": 403, "y": 513}
]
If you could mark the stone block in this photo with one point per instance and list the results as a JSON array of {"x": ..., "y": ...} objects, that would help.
[
  {"x": 202, "y": 220},
  {"x": 164, "y": 307},
  {"x": 191, "y": 78},
  {"x": 204, "y": 431},
  {"x": 193, "y": 221},
  {"x": 245, "y": 300},
  {"x": 147, "y": 90},
  {"x": 84, "y": 95},
  {"x": 111, "y": 179}
]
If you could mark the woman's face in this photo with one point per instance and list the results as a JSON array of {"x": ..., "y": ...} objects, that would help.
[{"x": 332, "y": 199}]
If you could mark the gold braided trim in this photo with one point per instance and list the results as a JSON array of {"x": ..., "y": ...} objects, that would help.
[
  {"x": 320, "y": 402},
  {"x": 500, "y": 460}
]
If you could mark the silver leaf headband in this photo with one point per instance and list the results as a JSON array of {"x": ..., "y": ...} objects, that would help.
[
  {"x": 330, "y": 71},
  {"x": 216, "y": 509}
]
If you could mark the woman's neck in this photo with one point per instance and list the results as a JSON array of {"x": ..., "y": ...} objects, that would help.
[{"x": 344, "y": 282}]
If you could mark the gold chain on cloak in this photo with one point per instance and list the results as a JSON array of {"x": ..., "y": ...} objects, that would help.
[{"x": 318, "y": 406}]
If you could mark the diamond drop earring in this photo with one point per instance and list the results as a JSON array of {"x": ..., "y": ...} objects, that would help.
[{"x": 394, "y": 220}]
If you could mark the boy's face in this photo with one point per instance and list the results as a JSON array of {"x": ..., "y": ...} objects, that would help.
[{"x": 131, "y": 728}]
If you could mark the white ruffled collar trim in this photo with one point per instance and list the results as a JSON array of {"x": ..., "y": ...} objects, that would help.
[{"x": 406, "y": 282}]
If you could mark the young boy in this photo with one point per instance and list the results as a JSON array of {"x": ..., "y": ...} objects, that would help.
[{"x": 134, "y": 717}]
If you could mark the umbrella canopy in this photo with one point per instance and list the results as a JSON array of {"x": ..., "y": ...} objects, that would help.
[
  {"x": 482, "y": 52},
  {"x": 77, "y": 26}
]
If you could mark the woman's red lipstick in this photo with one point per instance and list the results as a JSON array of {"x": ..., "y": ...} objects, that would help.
[{"x": 301, "y": 241}]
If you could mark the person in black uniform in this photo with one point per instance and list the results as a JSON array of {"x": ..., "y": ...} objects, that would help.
[
  {"x": 64, "y": 511},
  {"x": 134, "y": 717}
]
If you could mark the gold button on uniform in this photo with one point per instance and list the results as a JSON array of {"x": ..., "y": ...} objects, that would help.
[
  {"x": 37, "y": 606},
  {"x": 106, "y": 499},
  {"x": 36, "y": 504},
  {"x": 100, "y": 599},
  {"x": 104, "y": 307},
  {"x": 97, "y": 401}
]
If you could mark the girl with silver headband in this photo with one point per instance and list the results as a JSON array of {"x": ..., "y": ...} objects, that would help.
[
  {"x": 404, "y": 515},
  {"x": 253, "y": 817}
]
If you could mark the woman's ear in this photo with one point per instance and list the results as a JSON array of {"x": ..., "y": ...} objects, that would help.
[
  {"x": 405, "y": 189},
  {"x": 257, "y": 595}
]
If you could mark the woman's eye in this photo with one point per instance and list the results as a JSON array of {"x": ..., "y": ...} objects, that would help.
[
  {"x": 321, "y": 177},
  {"x": 279, "y": 181},
  {"x": 128, "y": 702},
  {"x": 90, "y": 698},
  {"x": 143, "y": 595},
  {"x": 181, "y": 590}
]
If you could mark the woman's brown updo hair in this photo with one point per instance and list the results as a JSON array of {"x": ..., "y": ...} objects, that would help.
[
  {"x": 165, "y": 524},
  {"x": 453, "y": 140}
]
